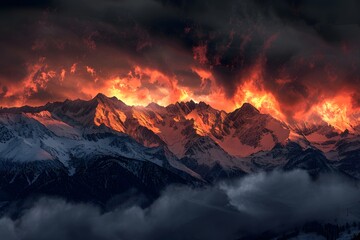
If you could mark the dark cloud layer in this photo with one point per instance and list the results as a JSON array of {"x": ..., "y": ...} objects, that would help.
[
  {"x": 310, "y": 47},
  {"x": 277, "y": 201}
]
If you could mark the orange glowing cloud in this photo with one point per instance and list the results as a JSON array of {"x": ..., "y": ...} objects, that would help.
[
  {"x": 90, "y": 70},
  {"x": 62, "y": 74},
  {"x": 259, "y": 98},
  {"x": 338, "y": 112},
  {"x": 38, "y": 78},
  {"x": 200, "y": 53},
  {"x": 73, "y": 68},
  {"x": 252, "y": 91},
  {"x": 143, "y": 85}
]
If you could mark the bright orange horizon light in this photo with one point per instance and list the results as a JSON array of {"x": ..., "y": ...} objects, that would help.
[{"x": 142, "y": 85}]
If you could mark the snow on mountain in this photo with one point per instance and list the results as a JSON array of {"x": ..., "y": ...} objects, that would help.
[
  {"x": 321, "y": 136},
  {"x": 58, "y": 127},
  {"x": 247, "y": 131},
  {"x": 341, "y": 148},
  {"x": 187, "y": 136},
  {"x": 22, "y": 138},
  {"x": 58, "y": 136},
  {"x": 239, "y": 133}
]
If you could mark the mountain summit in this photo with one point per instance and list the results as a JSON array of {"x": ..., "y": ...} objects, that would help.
[{"x": 185, "y": 142}]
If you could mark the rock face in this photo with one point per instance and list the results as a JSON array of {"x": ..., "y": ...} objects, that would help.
[{"x": 105, "y": 144}]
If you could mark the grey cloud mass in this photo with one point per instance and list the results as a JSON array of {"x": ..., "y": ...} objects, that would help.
[{"x": 266, "y": 201}]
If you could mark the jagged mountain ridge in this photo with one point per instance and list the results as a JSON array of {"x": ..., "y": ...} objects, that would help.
[
  {"x": 156, "y": 125},
  {"x": 178, "y": 127},
  {"x": 192, "y": 142}
]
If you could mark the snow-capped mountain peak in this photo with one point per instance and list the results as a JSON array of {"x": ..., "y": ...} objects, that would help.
[{"x": 191, "y": 134}]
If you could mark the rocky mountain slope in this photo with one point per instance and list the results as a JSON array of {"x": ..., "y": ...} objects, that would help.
[{"x": 116, "y": 147}]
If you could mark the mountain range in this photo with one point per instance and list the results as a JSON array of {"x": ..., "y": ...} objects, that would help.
[{"x": 102, "y": 148}]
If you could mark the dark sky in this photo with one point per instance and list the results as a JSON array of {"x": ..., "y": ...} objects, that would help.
[{"x": 302, "y": 52}]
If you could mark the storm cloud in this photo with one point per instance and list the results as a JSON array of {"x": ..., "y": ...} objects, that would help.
[
  {"x": 302, "y": 52},
  {"x": 275, "y": 201}
]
